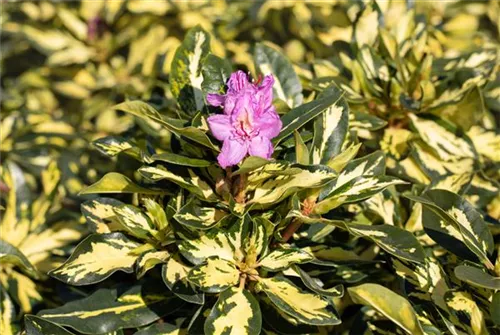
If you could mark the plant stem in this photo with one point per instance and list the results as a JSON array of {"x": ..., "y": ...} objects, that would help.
[
  {"x": 241, "y": 191},
  {"x": 291, "y": 229}
]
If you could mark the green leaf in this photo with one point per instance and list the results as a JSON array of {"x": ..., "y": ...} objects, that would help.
[
  {"x": 38, "y": 326},
  {"x": 106, "y": 311},
  {"x": 100, "y": 214},
  {"x": 178, "y": 127},
  {"x": 250, "y": 164},
  {"x": 281, "y": 259},
  {"x": 216, "y": 72},
  {"x": 477, "y": 277},
  {"x": 160, "y": 329},
  {"x": 191, "y": 182},
  {"x": 312, "y": 284},
  {"x": 355, "y": 190},
  {"x": 96, "y": 258},
  {"x": 11, "y": 255},
  {"x": 330, "y": 130},
  {"x": 186, "y": 75},
  {"x": 308, "y": 308},
  {"x": 195, "y": 216},
  {"x": 174, "y": 274},
  {"x": 218, "y": 242},
  {"x": 302, "y": 114},
  {"x": 235, "y": 312},
  {"x": 388, "y": 303},
  {"x": 214, "y": 276},
  {"x": 447, "y": 214},
  {"x": 495, "y": 308},
  {"x": 113, "y": 182},
  {"x": 287, "y": 87},
  {"x": 180, "y": 160},
  {"x": 301, "y": 150}
]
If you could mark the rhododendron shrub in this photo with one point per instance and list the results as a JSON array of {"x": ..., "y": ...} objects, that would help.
[{"x": 281, "y": 168}]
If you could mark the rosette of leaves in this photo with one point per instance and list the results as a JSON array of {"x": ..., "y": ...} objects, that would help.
[{"x": 36, "y": 236}]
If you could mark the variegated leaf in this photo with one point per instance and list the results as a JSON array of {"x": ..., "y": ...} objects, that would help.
[
  {"x": 442, "y": 137},
  {"x": 186, "y": 76},
  {"x": 15, "y": 224},
  {"x": 287, "y": 87},
  {"x": 274, "y": 186},
  {"x": 394, "y": 240},
  {"x": 12, "y": 255},
  {"x": 447, "y": 215},
  {"x": 315, "y": 285},
  {"x": 216, "y": 72},
  {"x": 355, "y": 190},
  {"x": 330, "y": 129},
  {"x": 174, "y": 274},
  {"x": 8, "y": 325},
  {"x": 107, "y": 311},
  {"x": 391, "y": 305},
  {"x": 235, "y": 312},
  {"x": 22, "y": 290},
  {"x": 150, "y": 259},
  {"x": 308, "y": 308},
  {"x": 39, "y": 326},
  {"x": 280, "y": 259},
  {"x": 176, "y": 126},
  {"x": 216, "y": 275},
  {"x": 369, "y": 165},
  {"x": 195, "y": 216},
  {"x": 100, "y": 214},
  {"x": 302, "y": 114},
  {"x": 114, "y": 182},
  {"x": 113, "y": 145},
  {"x": 96, "y": 258},
  {"x": 176, "y": 159},
  {"x": 135, "y": 222},
  {"x": 223, "y": 243},
  {"x": 486, "y": 142},
  {"x": 191, "y": 182},
  {"x": 466, "y": 312}
]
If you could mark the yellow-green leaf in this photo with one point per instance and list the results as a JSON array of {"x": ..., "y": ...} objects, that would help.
[
  {"x": 235, "y": 312},
  {"x": 309, "y": 308},
  {"x": 96, "y": 258},
  {"x": 215, "y": 275},
  {"x": 391, "y": 305}
]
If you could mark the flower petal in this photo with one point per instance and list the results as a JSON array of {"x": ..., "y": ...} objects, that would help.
[
  {"x": 265, "y": 91},
  {"x": 261, "y": 146},
  {"x": 215, "y": 99},
  {"x": 269, "y": 124},
  {"x": 220, "y": 126},
  {"x": 233, "y": 151},
  {"x": 238, "y": 81}
]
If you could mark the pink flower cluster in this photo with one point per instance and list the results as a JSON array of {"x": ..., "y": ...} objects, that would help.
[{"x": 249, "y": 121}]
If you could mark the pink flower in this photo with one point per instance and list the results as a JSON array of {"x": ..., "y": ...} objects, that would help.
[{"x": 249, "y": 121}]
